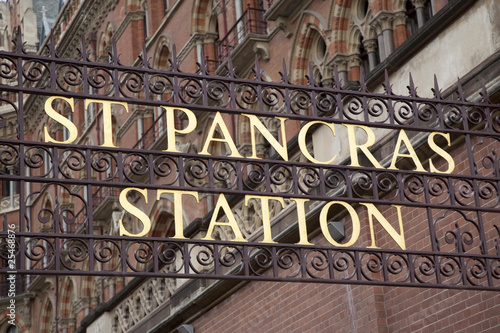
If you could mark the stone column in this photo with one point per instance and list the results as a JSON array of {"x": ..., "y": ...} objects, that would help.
[
  {"x": 383, "y": 26},
  {"x": 381, "y": 46},
  {"x": 420, "y": 8},
  {"x": 371, "y": 47},
  {"x": 340, "y": 61}
]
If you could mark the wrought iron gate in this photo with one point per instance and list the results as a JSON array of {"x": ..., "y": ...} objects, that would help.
[{"x": 461, "y": 208}]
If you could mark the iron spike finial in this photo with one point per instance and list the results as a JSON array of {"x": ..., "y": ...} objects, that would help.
[
  {"x": 52, "y": 44},
  {"x": 436, "y": 90},
  {"x": 284, "y": 73},
  {"x": 310, "y": 77},
  {"x": 114, "y": 52},
  {"x": 460, "y": 90},
  {"x": 203, "y": 63},
  {"x": 362, "y": 83},
  {"x": 484, "y": 93},
  {"x": 336, "y": 78},
  {"x": 258, "y": 74},
  {"x": 387, "y": 84},
  {"x": 83, "y": 48},
  {"x": 230, "y": 67},
  {"x": 411, "y": 87},
  {"x": 175, "y": 66},
  {"x": 144, "y": 56}
]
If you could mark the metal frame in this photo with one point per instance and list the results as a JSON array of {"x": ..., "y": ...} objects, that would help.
[{"x": 70, "y": 246}]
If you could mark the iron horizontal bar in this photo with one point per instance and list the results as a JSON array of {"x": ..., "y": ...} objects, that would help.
[
  {"x": 260, "y": 278},
  {"x": 221, "y": 243},
  {"x": 490, "y": 132},
  {"x": 275, "y": 253},
  {"x": 13, "y": 56},
  {"x": 189, "y": 156},
  {"x": 353, "y": 200}
]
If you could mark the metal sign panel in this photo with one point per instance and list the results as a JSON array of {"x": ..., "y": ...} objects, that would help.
[{"x": 457, "y": 199}]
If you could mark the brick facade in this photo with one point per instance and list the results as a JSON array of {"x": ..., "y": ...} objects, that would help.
[{"x": 316, "y": 40}]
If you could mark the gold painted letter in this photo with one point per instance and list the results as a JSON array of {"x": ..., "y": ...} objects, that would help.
[
  {"x": 225, "y": 133},
  {"x": 266, "y": 220},
  {"x": 107, "y": 122},
  {"x": 441, "y": 152},
  {"x": 303, "y": 144},
  {"x": 374, "y": 212},
  {"x": 301, "y": 221},
  {"x": 146, "y": 222},
  {"x": 411, "y": 152},
  {"x": 256, "y": 123},
  {"x": 222, "y": 203},
  {"x": 178, "y": 219},
  {"x": 73, "y": 131},
  {"x": 172, "y": 131},
  {"x": 353, "y": 146}
]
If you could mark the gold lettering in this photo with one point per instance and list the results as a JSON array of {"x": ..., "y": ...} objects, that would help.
[
  {"x": 107, "y": 122},
  {"x": 225, "y": 132},
  {"x": 353, "y": 146},
  {"x": 178, "y": 218},
  {"x": 222, "y": 203},
  {"x": 266, "y": 220},
  {"x": 256, "y": 123},
  {"x": 374, "y": 212},
  {"x": 171, "y": 131},
  {"x": 301, "y": 221},
  {"x": 303, "y": 145},
  {"x": 403, "y": 138},
  {"x": 323, "y": 223},
  {"x": 146, "y": 222},
  {"x": 49, "y": 110},
  {"x": 441, "y": 152}
]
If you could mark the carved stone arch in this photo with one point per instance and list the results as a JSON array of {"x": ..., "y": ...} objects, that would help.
[
  {"x": 311, "y": 25},
  {"x": 66, "y": 309},
  {"x": 46, "y": 316},
  {"x": 201, "y": 16},
  {"x": 101, "y": 44},
  {"x": 338, "y": 23},
  {"x": 109, "y": 32},
  {"x": 20, "y": 324},
  {"x": 163, "y": 52},
  {"x": 353, "y": 41},
  {"x": 47, "y": 211}
]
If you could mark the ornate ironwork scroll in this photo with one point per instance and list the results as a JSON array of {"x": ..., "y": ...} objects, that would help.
[{"x": 460, "y": 209}]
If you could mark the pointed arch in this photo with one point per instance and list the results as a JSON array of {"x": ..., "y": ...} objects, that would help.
[
  {"x": 163, "y": 52},
  {"x": 200, "y": 18},
  {"x": 46, "y": 316},
  {"x": 67, "y": 298},
  {"x": 339, "y": 19},
  {"x": 19, "y": 322},
  {"x": 101, "y": 44},
  {"x": 311, "y": 26}
]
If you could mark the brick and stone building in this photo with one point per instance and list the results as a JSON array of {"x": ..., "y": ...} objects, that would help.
[{"x": 348, "y": 40}]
